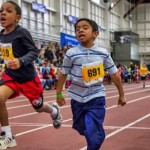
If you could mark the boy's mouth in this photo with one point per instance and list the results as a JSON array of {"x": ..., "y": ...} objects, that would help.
[
  {"x": 81, "y": 36},
  {"x": 2, "y": 20}
]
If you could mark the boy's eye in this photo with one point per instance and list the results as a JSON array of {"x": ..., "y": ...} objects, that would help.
[
  {"x": 77, "y": 29},
  {"x": 85, "y": 27},
  {"x": 9, "y": 11}
]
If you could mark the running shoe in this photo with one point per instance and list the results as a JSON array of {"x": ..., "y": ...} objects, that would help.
[
  {"x": 6, "y": 142},
  {"x": 57, "y": 121},
  {"x": 2, "y": 134}
]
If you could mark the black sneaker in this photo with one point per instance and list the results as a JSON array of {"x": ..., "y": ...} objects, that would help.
[
  {"x": 57, "y": 121},
  {"x": 6, "y": 142}
]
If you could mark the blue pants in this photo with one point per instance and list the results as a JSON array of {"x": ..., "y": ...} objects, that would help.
[{"x": 88, "y": 120}]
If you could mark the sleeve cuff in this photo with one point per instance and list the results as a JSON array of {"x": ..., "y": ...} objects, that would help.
[{"x": 21, "y": 61}]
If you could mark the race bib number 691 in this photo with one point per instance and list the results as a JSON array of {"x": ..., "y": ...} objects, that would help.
[{"x": 92, "y": 73}]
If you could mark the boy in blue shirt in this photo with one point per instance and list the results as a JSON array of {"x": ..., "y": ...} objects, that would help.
[{"x": 85, "y": 64}]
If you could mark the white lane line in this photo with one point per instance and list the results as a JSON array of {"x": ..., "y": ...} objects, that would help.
[
  {"x": 124, "y": 86},
  {"x": 15, "y": 107},
  {"x": 118, "y": 127},
  {"x": 36, "y": 129},
  {"x": 70, "y": 125},
  {"x": 25, "y": 99},
  {"x": 112, "y": 91},
  {"x": 114, "y": 106},
  {"x": 127, "y": 126},
  {"x": 20, "y": 106},
  {"x": 123, "y": 128},
  {"x": 128, "y": 93},
  {"x": 27, "y": 124},
  {"x": 29, "y": 131},
  {"x": 132, "y": 101}
]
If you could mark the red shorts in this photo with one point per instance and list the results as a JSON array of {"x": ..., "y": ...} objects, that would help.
[{"x": 32, "y": 89}]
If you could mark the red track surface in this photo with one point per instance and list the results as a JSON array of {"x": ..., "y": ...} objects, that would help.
[{"x": 127, "y": 128}]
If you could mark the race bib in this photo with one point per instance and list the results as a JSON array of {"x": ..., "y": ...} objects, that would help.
[
  {"x": 6, "y": 51},
  {"x": 92, "y": 73}
]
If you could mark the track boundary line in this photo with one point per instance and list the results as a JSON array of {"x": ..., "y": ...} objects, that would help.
[
  {"x": 70, "y": 125},
  {"x": 39, "y": 128},
  {"x": 69, "y": 98},
  {"x": 114, "y": 106},
  {"x": 65, "y": 94},
  {"x": 123, "y": 128}
]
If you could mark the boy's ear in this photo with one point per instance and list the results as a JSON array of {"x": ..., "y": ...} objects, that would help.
[
  {"x": 96, "y": 33},
  {"x": 18, "y": 18}
]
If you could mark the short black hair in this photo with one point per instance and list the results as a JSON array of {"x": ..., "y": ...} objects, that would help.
[
  {"x": 91, "y": 22},
  {"x": 17, "y": 7}
]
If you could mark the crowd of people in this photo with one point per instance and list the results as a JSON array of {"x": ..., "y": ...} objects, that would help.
[
  {"x": 49, "y": 62},
  {"x": 131, "y": 74}
]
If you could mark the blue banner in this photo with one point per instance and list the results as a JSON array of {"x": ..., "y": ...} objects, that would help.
[
  {"x": 72, "y": 19},
  {"x": 67, "y": 39},
  {"x": 39, "y": 7}
]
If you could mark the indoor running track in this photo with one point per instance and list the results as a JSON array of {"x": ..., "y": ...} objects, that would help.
[{"x": 127, "y": 128}]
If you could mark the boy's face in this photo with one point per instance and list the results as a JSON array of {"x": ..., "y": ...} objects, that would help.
[
  {"x": 85, "y": 34},
  {"x": 8, "y": 15},
  {"x": 144, "y": 65}
]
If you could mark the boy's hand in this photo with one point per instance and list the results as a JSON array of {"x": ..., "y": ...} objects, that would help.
[
  {"x": 121, "y": 101},
  {"x": 13, "y": 64},
  {"x": 61, "y": 101}
]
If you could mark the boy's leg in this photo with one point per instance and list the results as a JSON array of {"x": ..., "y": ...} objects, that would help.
[
  {"x": 88, "y": 119},
  {"x": 49, "y": 84},
  {"x": 94, "y": 132},
  {"x": 143, "y": 79},
  {"x": 34, "y": 92},
  {"x": 53, "y": 110},
  {"x": 5, "y": 93},
  {"x": 43, "y": 83},
  {"x": 6, "y": 137}
]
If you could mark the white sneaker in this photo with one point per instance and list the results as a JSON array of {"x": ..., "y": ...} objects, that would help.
[
  {"x": 57, "y": 121},
  {"x": 6, "y": 142}
]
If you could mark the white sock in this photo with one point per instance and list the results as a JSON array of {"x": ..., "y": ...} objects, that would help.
[
  {"x": 7, "y": 131},
  {"x": 54, "y": 112}
]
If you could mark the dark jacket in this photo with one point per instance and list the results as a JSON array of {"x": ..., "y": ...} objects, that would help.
[{"x": 24, "y": 49}]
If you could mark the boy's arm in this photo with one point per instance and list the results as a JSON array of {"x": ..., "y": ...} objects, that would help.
[
  {"x": 117, "y": 81},
  {"x": 59, "y": 88}
]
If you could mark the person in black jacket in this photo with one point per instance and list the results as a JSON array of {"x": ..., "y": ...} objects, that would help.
[{"x": 19, "y": 52}]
